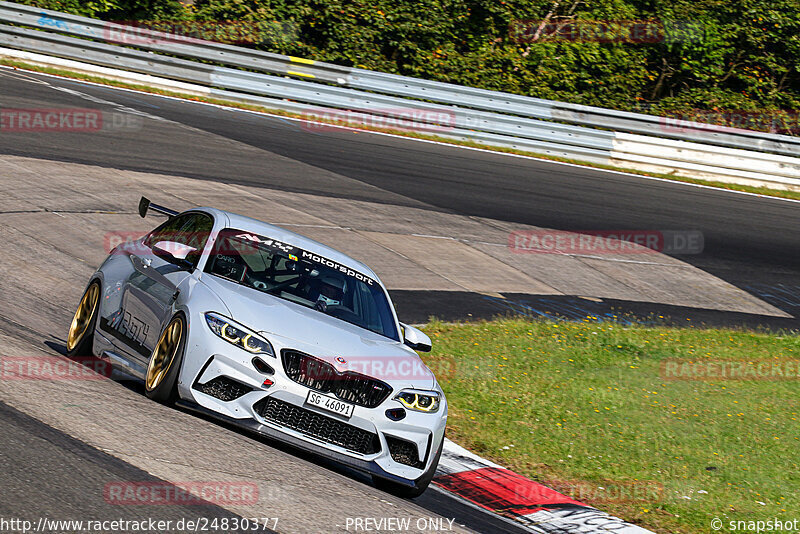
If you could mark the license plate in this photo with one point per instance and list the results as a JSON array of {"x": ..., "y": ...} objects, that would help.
[{"x": 332, "y": 404}]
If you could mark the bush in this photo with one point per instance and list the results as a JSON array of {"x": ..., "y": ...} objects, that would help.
[{"x": 712, "y": 54}]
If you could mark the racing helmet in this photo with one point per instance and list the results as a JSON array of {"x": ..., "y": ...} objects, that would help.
[{"x": 331, "y": 290}]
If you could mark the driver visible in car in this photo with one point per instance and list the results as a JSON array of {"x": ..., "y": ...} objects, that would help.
[{"x": 327, "y": 291}]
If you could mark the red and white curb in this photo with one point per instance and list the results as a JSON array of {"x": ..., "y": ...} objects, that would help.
[{"x": 534, "y": 506}]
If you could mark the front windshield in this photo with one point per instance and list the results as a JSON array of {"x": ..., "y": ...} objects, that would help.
[{"x": 304, "y": 278}]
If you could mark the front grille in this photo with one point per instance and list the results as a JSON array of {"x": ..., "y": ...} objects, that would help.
[
  {"x": 404, "y": 452},
  {"x": 322, "y": 376},
  {"x": 318, "y": 426},
  {"x": 223, "y": 388}
]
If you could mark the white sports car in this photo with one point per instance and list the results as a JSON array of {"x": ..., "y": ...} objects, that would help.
[{"x": 273, "y": 332}]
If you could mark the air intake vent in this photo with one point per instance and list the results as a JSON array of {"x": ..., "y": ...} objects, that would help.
[
  {"x": 318, "y": 426},
  {"x": 404, "y": 452},
  {"x": 223, "y": 388}
]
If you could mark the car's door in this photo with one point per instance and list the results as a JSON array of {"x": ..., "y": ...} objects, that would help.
[{"x": 155, "y": 276}]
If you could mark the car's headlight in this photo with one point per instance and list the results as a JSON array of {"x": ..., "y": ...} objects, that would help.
[
  {"x": 419, "y": 401},
  {"x": 238, "y": 335}
]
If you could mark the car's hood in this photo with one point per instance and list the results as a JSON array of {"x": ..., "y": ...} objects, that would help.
[{"x": 343, "y": 345}]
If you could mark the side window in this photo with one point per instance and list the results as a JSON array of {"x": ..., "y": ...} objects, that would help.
[
  {"x": 167, "y": 231},
  {"x": 191, "y": 229}
]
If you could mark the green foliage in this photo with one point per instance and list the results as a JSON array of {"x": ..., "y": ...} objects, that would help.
[
  {"x": 738, "y": 55},
  {"x": 122, "y": 10}
]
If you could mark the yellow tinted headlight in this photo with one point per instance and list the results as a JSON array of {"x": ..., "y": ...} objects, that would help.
[
  {"x": 238, "y": 335},
  {"x": 419, "y": 401}
]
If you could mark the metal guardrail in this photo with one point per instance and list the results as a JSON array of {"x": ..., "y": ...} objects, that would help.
[
  {"x": 573, "y": 113},
  {"x": 166, "y": 43},
  {"x": 446, "y": 110},
  {"x": 445, "y": 119},
  {"x": 402, "y": 86}
]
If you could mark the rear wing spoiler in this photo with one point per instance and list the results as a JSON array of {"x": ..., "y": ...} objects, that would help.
[{"x": 145, "y": 205}]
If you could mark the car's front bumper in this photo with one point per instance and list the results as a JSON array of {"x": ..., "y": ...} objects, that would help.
[
  {"x": 208, "y": 357},
  {"x": 370, "y": 467}
]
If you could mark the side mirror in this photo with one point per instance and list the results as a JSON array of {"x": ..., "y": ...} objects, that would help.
[
  {"x": 174, "y": 252},
  {"x": 415, "y": 338}
]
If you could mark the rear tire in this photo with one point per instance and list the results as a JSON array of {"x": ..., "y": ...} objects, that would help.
[
  {"x": 80, "y": 337},
  {"x": 161, "y": 379}
]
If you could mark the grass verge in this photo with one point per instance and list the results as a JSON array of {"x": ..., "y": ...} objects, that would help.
[
  {"x": 765, "y": 191},
  {"x": 585, "y": 406}
]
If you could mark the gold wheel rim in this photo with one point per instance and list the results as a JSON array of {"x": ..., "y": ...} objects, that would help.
[
  {"x": 83, "y": 316},
  {"x": 164, "y": 354}
]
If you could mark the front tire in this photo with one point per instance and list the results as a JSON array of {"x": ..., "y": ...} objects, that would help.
[
  {"x": 161, "y": 379},
  {"x": 80, "y": 337}
]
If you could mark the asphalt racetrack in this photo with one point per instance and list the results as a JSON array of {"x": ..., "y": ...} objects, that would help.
[
  {"x": 62, "y": 442},
  {"x": 750, "y": 242}
]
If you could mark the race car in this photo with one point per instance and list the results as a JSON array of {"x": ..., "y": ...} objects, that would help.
[{"x": 273, "y": 332}]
